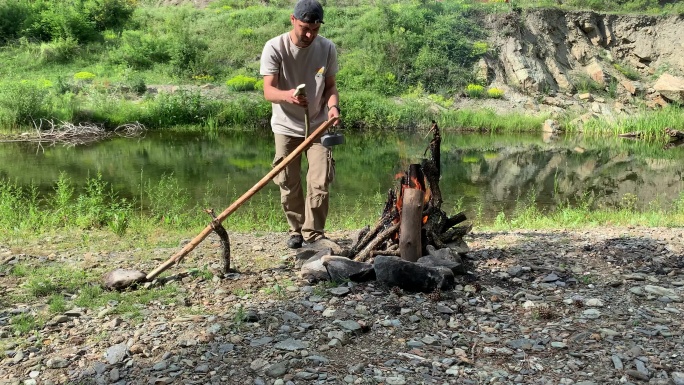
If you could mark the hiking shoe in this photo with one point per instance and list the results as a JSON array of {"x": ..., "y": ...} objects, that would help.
[{"x": 295, "y": 241}]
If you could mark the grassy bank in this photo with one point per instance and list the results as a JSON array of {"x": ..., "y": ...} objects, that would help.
[
  {"x": 167, "y": 208},
  {"x": 401, "y": 62}
]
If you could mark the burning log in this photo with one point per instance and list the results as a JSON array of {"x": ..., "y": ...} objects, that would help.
[
  {"x": 410, "y": 246},
  {"x": 412, "y": 219}
]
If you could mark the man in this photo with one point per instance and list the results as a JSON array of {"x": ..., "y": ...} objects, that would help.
[{"x": 297, "y": 57}]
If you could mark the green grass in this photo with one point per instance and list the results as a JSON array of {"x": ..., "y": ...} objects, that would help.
[{"x": 650, "y": 124}]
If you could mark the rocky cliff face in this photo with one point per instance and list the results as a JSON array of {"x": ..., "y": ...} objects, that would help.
[{"x": 560, "y": 55}]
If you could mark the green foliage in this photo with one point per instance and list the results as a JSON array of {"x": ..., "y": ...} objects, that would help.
[
  {"x": 80, "y": 20},
  {"x": 24, "y": 323},
  {"x": 168, "y": 202},
  {"x": 441, "y": 100},
  {"x": 140, "y": 50},
  {"x": 84, "y": 76},
  {"x": 495, "y": 93},
  {"x": 474, "y": 91},
  {"x": 14, "y": 15},
  {"x": 583, "y": 83},
  {"x": 241, "y": 83},
  {"x": 628, "y": 71},
  {"x": 57, "y": 304},
  {"x": 182, "y": 107},
  {"x": 59, "y": 50},
  {"x": 406, "y": 44},
  {"x": 23, "y": 102}
]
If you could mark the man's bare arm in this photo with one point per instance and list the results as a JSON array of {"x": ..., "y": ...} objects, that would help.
[{"x": 275, "y": 95}]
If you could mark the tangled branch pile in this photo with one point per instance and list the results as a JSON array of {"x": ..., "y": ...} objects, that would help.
[{"x": 48, "y": 131}]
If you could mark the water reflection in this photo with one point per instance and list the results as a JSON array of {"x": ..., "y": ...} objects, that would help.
[{"x": 480, "y": 172}]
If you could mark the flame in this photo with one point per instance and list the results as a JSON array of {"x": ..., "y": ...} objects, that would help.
[{"x": 413, "y": 182}]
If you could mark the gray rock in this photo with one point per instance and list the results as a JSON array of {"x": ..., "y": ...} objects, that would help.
[
  {"x": 260, "y": 341},
  {"x": 394, "y": 271},
  {"x": 451, "y": 264},
  {"x": 116, "y": 353},
  {"x": 617, "y": 362},
  {"x": 342, "y": 269},
  {"x": 339, "y": 291},
  {"x": 326, "y": 244},
  {"x": 120, "y": 279},
  {"x": 56, "y": 363},
  {"x": 278, "y": 369},
  {"x": 350, "y": 325},
  {"x": 291, "y": 344},
  {"x": 313, "y": 270},
  {"x": 515, "y": 271},
  {"x": 637, "y": 374},
  {"x": 677, "y": 378}
]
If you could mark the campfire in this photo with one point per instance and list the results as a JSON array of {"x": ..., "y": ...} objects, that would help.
[
  {"x": 412, "y": 218},
  {"x": 412, "y": 244}
]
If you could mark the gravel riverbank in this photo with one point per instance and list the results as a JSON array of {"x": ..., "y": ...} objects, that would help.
[{"x": 595, "y": 306}]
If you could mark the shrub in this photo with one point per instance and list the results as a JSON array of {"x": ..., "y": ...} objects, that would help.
[
  {"x": 24, "y": 101},
  {"x": 179, "y": 108},
  {"x": 60, "y": 50},
  {"x": 241, "y": 83},
  {"x": 629, "y": 72},
  {"x": 495, "y": 93},
  {"x": 13, "y": 16},
  {"x": 474, "y": 90},
  {"x": 109, "y": 14},
  {"x": 84, "y": 76},
  {"x": 140, "y": 50}
]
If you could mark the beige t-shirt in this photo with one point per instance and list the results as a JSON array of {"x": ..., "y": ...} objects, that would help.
[{"x": 295, "y": 66}]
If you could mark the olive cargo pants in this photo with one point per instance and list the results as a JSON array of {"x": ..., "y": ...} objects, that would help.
[{"x": 305, "y": 216}]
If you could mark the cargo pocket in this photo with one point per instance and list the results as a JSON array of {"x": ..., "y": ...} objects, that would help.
[
  {"x": 279, "y": 179},
  {"x": 330, "y": 177}
]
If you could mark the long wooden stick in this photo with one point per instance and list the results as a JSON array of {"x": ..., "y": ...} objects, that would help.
[{"x": 221, "y": 217}]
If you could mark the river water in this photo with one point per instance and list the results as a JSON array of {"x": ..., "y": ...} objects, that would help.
[{"x": 481, "y": 174}]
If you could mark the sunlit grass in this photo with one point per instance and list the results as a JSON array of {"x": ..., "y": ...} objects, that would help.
[
  {"x": 650, "y": 124},
  {"x": 586, "y": 215}
]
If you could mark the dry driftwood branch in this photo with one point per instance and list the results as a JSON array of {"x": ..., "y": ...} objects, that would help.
[
  {"x": 383, "y": 236},
  {"x": 674, "y": 134},
  {"x": 225, "y": 241}
]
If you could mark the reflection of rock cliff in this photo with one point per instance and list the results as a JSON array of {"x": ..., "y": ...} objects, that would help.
[
  {"x": 560, "y": 55},
  {"x": 558, "y": 175}
]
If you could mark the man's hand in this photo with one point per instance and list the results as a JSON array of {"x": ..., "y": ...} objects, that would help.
[
  {"x": 334, "y": 112},
  {"x": 299, "y": 100}
]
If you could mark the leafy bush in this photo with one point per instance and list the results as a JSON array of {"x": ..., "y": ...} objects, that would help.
[
  {"x": 495, "y": 93},
  {"x": 59, "y": 51},
  {"x": 241, "y": 83},
  {"x": 474, "y": 90},
  {"x": 81, "y": 20},
  {"x": 84, "y": 76},
  {"x": 140, "y": 50},
  {"x": 109, "y": 14},
  {"x": 583, "y": 83},
  {"x": 24, "y": 102},
  {"x": 178, "y": 108},
  {"x": 13, "y": 16}
]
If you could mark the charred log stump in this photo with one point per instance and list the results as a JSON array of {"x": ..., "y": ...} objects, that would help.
[{"x": 410, "y": 245}]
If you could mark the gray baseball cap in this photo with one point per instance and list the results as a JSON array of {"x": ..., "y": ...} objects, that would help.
[{"x": 309, "y": 11}]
